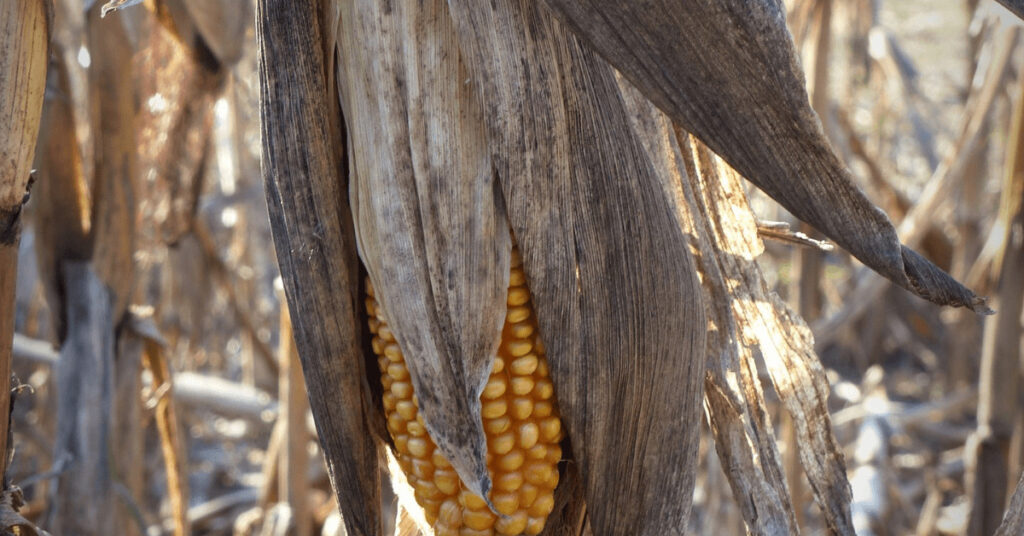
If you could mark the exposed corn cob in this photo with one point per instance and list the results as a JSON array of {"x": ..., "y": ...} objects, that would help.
[{"x": 519, "y": 417}]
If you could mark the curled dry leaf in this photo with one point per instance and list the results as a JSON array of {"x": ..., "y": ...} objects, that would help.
[
  {"x": 727, "y": 71},
  {"x": 11, "y": 522}
]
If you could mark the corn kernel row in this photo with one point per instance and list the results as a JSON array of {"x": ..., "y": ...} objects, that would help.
[{"x": 519, "y": 418}]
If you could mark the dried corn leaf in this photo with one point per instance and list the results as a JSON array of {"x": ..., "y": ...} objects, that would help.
[
  {"x": 313, "y": 234},
  {"x": 431, "y": 228},
  {"x": 727, "y": 71},
  {"x": 113, "y": 218},
  {"x": 613, "y": 282},
  {"x": 722, "y": 231},
  {"x": 24, "y": 42}
]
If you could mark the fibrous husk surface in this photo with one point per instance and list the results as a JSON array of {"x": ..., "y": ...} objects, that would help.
[{"x": 431, "y": 227}]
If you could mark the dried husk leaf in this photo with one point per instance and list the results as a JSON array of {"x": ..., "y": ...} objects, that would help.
[
  {"x": 432, "y": 232},
  {"x": 24, "y": 43},
  {"x": 614, "y": 285},
  {"x": 727, "y": 71},
  {"x": 723, "y": 234},
  {"x": 313, "y": 234}
]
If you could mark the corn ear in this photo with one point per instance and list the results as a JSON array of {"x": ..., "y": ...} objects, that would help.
[{"x": 518, "y": 415}]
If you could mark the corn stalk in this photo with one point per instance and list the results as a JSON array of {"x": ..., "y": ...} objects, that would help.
[{"x": 24, "y": 48}]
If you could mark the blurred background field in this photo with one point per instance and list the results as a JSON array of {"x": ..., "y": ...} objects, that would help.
[{"x": 148, "y": 198}]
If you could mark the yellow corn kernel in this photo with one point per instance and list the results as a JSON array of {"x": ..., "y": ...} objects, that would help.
[
  {"x": 527, "y": 494},
  {"x": 518, "y": 296},
  {"x": 447, "y": 481},
  {"x": 392, "y": 352},
  {"x": 495, "y": 387},
  {"x": 551, "y": 429},
  {"x": 519, "y": 348},
  {"x": 402, "y": 390},
  {"x": 524, "y": 366},
  {"x": 522, "y": 330},
  {"x": 503, "y": 443},
  {"x": 451, "y": 513},
  {"x": 497, "y": 426},
  {"x": 416, "y": 429},
  {"x": 522, "y": 385},
  {"x": 522, "y": 408},
  {"x": 418, "y": 447},
  {"x": 422, "y": 469},
  {"x": 473, "y": 502},
  {"x": 442, "y": 529},
  {"x": 540, "y": 409},
  {"x": 511, "y": 461},
  {"x": 543, "y": 505},
  {"x": 505, "y": 503},
  {"x": 519, "y": 418},
  {"x": 529, "y": 434},
  {"x": 390, "y": 401},
  {"x": 517, "y": 314},
  {"x": 510, "y": 481},
  {"x": 405, "y": 409},
  {"x": 493, "y": 409},
  {"x": 513, "y": 524}
]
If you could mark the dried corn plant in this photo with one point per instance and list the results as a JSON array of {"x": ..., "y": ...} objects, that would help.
[
  {"x": 415, "y": 137},
  {"x": 528, "y": 289}
]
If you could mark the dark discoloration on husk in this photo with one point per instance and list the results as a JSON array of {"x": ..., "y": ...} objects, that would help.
[
  {"x": 615, "y": 291},
  {"x": 431, "y": 227},
  {"x": 313, "y": 234}
]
